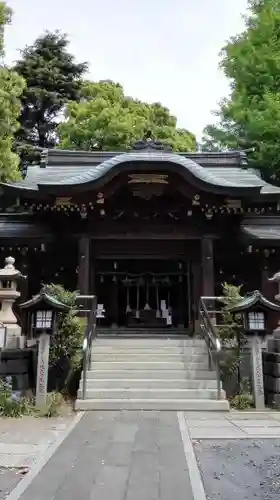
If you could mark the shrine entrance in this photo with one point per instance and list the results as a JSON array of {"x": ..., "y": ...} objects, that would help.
[{"x": 146, "y": 293}]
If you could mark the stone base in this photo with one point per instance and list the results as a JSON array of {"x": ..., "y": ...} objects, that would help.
[
  {"x": 272, "y": 384},
  {"x": 273, "y": 400},
  {"x": 14, "y": 339}
]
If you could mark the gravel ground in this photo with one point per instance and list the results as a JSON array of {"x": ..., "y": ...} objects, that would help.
[
  {"x": 9, "y": 478},
  {"x": 246, "y": 469}
]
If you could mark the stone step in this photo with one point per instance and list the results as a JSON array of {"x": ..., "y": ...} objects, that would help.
[
  {"x": 146, "y": 393},
  {"x": 169, "y": 349},
  {"x": 150, "y": 373},
  {"x": 147, "y": 365},
  {"x": 127, "y": 383},
  {"x": 149, "y": 357},
  {"x": 149, "y": 404},
  {"x": 153, "y": 342}
]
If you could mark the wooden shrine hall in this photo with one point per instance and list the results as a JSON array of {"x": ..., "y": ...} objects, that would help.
[{"x": 148, "y": 230}]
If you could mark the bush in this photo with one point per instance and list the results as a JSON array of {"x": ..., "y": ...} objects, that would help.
[
  {"x": 242, "y": 401},
  {"x": 10, "y": 404},
  {"x": 53, "y": 405}
]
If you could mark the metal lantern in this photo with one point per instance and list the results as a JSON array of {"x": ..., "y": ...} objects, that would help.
[
  {"x": 43, "y": 309},
  {"x": 254, "y": 308}
]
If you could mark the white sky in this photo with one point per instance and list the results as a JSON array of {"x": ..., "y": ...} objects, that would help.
[{"x": 159, "y": 50}]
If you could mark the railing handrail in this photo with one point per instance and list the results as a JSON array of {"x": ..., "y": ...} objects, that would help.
[
  {"x": 209, "y": 330},
  {"x": 89, "y": 336}
]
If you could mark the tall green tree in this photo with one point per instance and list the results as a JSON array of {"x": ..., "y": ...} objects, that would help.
[
  {"x": 53, "y": 78},
  {"x": 108, "y": 120},
  {"x": 250, "y": 117},
  {"x": 11, "y": 87}
]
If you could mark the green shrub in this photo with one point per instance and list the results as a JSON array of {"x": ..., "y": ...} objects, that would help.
[
  {"x": 53, "y": 406},
  {"x": 242, "y": 401},
  {"x": 10, "y": 405}
]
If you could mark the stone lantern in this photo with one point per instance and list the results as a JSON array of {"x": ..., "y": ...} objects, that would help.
[
  {"x": 9, "y": 278},
  {"x": 276, "y": 279}
]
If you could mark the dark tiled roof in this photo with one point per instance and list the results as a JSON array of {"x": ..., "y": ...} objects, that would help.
[
  {"x": 254, "y": 299},
  {"x": 70, "y": 168},
  {"x": 45, "y": 298}
]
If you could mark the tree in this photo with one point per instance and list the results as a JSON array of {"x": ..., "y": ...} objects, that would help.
[
  {"x": 250, "y": 117},
  {"x": 11, "y": 87},
  {"x": 52, "y": 79},
  {"x": 108, "y": 120}
]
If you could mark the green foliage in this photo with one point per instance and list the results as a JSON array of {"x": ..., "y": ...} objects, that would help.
[
  {"x": 250, "y": 117},
  {"x": 53, "y": 78},
  {"x": 231, "y": 336},
  {"x": 242, "y": 401},
  {"x": 231, "y": 326},
  {"x": 11, "y": 88},
  {"x": 5, "y": 18},
  {"x": 54, "y": 403},
  {"x": 106, "y": 119},
  {"x": 11, "y": 406},
  {"x": 68, "y": 341}
]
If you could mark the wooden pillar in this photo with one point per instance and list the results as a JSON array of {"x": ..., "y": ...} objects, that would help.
[
  {"x": 196, "y": 280},
  {"x": 207, "y": 261},
  {"x": 83, "y": 265},
  {"x": 114, "y": 304}
]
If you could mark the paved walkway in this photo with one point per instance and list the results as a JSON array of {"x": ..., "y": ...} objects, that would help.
[
  {"x": 117, "y": 456},
  {"x": 23, "y": 441},
  {"x": 122, "y": 455},
  {"x": 233, "y": 425}
]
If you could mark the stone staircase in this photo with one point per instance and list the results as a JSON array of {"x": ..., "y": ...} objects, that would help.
[{"x": 150, "y": 374}]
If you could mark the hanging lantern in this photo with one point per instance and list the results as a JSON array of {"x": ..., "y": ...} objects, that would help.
[{"x": 209, "y": 215}]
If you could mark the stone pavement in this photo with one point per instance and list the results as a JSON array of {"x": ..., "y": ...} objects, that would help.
[
  {"x": 23, "y": 442},
  {"x": 131, "y": 455},
  {"x": 233, "y": 425},
  {"x": 117, "y": 456}
]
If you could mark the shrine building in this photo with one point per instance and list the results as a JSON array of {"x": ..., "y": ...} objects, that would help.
[{"x": 149, "y": 231}]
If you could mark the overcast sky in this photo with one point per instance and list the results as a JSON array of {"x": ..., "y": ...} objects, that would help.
[{"x": 159, "y": 50}]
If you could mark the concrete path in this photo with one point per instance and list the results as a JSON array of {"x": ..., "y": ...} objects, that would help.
[
  {"x": 233, "y": 425},
  {"x": 23, "y": 441},
  {"x": 119, "y": 456},
  {"x": 127, "y": 455}
]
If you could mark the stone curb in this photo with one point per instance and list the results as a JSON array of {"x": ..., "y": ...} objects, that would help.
[
  {"x": 38, "y": 466},
  {"x": 194, "y": 473}
]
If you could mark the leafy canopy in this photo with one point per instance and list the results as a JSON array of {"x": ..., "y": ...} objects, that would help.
[
  {"x": 53, "y": 78},
  {"x": 250, "y": 117},
  {"x": 106, "y": 119},
  {"x": 11, "y": 87}
]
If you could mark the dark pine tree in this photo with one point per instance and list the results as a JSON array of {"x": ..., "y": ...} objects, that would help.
[{"x": 53, "y": 78}]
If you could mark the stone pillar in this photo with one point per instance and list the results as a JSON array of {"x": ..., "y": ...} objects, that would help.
[
  {"x": 257, "y": 366},
  {"x": 83, "y": 265}
]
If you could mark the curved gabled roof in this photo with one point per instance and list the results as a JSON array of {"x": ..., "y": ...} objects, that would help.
[
  {"x": 64, "y": 171},
  {"x": 187, "y": 165}
]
